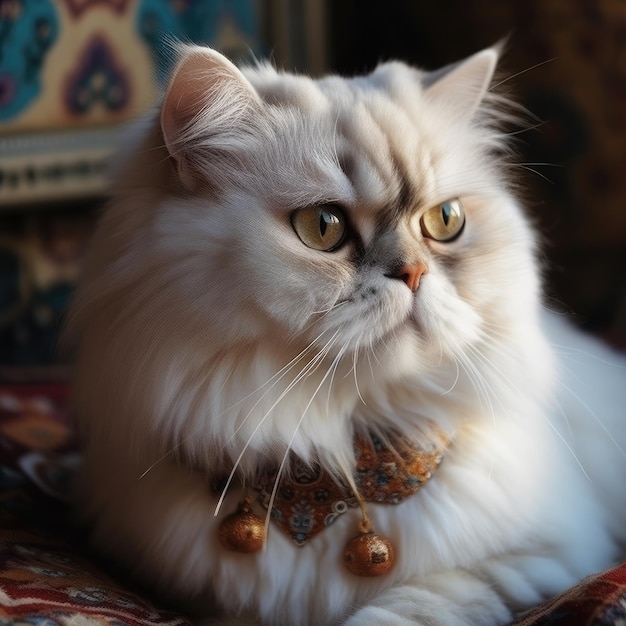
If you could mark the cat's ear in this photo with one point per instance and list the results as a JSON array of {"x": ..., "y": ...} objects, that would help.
[
  {"x": 461, "y": 87},
  {"x": 205, "y": 92}
]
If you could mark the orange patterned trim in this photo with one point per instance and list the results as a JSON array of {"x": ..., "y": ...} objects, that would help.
[{"x": 309, "y": 499}]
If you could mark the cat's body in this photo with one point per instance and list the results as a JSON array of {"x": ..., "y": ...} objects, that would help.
[{"x": 213, "y": 330}]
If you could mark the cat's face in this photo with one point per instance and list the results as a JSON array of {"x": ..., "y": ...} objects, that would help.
[{"x": 366, "y": 214}]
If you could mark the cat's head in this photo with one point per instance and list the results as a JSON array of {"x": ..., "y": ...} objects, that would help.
[
  {"x": 279, "y": 233},
  {"x": 362, "y": 213}
]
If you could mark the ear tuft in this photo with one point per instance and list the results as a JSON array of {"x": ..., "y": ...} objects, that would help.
[
  {"x": 203, "y": 84},
  {"x": 460, "y": 88}
]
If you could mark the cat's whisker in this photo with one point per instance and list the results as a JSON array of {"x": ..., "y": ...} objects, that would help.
[
  {"x": 475, "y": 379},
  {"x": 564, "y": 441},
  {"x": 479, "y": 383},
  {"x": 163, "y": 457},
  {"x": 546, "y": 164},
  {"x": 385, "y": 339},
  {"x": 521, "y": 72},
  {"x": 592, "y": 413},
  {"x": 186, "y": 439},
  {"x": 335, "y": 366},
  {"x": 332, "y": 307},
  {"x": 322, "y": 313},
  {"x": 595, "y": 417},
  {"x": 526, "y": 129},
  {"x": 441, "y": 351},
  {"x": 562, "y": 412},
  {"x": 456, "y": 380},
  {"x": 283, "y": 462},
  {"x": 495, "y": 371},
  {"x": 373, "y": 352},
  {"x": 304, "y": 372},
  {"x": 534, "y": 171},
  {"x": 274, "y": 380},
  {"x": 355, "y": 356},
  {"x": 368, "y": 353},
  {"x": 568, "y": 350}
]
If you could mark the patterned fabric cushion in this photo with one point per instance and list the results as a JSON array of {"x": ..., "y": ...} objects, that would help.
[
  {"x": 47, "y": 575},
  {"x": 599, "y": 600}
]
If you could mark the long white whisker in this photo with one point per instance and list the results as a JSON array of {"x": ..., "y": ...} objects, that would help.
[
  {"x": 368, "y": 354},
  {"x": 526, "y": 129},
  {"x": 530, "y": 169},
  {"x": 355, "y": 357},
  {"x": 303, "y": 373},
  {"x": 596, "y": 418},
  {"x": 562, "y": 349},
  {"x": 162, "y": 458},
  {"x": 528, "y": 69},
  {"x": 332, "y": 307},
  {"x": 478, "y": 382},
  {"x": 555, "y": 430},
  {"x": 334, "y": 367},
  {"x": 293, "y": 436},
  {"x": 276, "y": 378},
  {"x": 566, "y": 444},
  {"x": 456, "y": 380}
]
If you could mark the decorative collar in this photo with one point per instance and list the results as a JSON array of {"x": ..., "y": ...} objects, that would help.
[{"x": 309, "y": 499}]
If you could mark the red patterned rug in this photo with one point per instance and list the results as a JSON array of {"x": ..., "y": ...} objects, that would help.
[{"x": 47, "y": 576}]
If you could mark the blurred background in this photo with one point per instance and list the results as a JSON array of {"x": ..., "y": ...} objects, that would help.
[{"x": 74, "y": 72}]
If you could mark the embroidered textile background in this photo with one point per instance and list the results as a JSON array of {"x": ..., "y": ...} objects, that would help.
[{"x": 578, "y": 142}]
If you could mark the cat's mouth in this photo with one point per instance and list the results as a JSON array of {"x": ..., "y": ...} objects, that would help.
[
  {"x": 407, "y": 326},
  {"x": 410, "y": 314},
  {"x": 373, "y": 317}
]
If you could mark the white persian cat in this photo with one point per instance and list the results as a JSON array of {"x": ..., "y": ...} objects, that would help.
[{"x": 289, "y": 266}]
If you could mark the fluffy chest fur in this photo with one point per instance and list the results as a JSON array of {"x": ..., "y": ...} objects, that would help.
[{"x": 288, "y": 262}]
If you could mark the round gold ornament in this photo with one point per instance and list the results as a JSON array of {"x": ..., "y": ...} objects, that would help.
[
  {"x": 368, "y": 554},
  {"x": 242, "y": 531}
]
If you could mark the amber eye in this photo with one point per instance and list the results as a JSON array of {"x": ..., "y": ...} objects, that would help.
[
  {"x": 320, "y": 227},
  {"x": 443, "y": 222}
]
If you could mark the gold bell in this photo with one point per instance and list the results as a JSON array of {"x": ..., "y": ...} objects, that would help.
[
  {"x": 368, "y": 554},
  {"x": 242, "y": 531}
]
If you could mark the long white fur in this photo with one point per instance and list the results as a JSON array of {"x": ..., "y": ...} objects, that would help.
[{"x": 206, "y": 334}]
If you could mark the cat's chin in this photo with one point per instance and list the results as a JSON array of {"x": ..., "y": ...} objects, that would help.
[
  {"x": 408, "y": 338},
  {"x": 404, "y": 350}
]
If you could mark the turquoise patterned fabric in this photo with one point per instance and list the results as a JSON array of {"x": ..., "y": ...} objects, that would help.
[
  {"x": 160, "y": 21},
  {"x": 28, "y": 29}
]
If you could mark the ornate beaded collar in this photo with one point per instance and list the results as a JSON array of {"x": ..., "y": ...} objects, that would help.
[{"x": 310, "y": 499}]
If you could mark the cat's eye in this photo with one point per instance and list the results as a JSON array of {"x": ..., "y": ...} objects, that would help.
[
  {"x": 443, "y": 222},
  {"x": 320, "y": 227}
]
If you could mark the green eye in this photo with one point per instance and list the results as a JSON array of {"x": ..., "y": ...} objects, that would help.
[
  {"x": 320, "y": 227},
  {"x": 443, "y": 222}
]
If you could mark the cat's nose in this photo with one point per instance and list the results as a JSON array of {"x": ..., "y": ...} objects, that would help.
[{"x": 410, "y": 274}]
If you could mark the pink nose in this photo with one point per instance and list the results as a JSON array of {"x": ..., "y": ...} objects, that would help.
[{"x": 411, "y": 274}]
